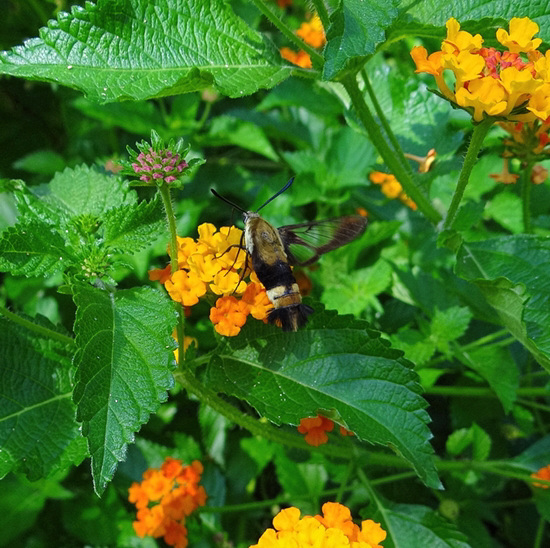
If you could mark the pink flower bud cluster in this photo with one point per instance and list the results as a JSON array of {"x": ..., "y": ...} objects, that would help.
[{"x": 159, "y": 166}]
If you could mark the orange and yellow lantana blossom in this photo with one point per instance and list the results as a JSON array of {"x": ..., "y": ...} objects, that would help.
[
  {"x": 313, "y": 34},
  {"x": 514, "y": 83},
  {"x": 334, "y": 528},
  {"x": 316, "y": 428},
  {"x": 165, "y": 498},
  {"x": 213, "y": 266},
  {"x": 543, "y": 474}
]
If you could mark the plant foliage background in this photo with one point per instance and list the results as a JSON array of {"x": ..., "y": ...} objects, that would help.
[{"x": 432, "y": 345}]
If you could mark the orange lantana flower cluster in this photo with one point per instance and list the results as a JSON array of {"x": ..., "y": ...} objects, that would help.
[
  {"x": 165, "y": 498},
  {"x": 391, "y": 187},
  {"x": 543, "y": 474},
  {"x": 214, "y": 265},
  {"x": 312, "y": 33},
  {"x": 316, "y": 428},
  {"x": 334, "y": 528},
  {"x": 514, "y": 83}
]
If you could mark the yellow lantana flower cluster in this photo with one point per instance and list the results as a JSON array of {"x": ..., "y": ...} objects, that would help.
[
  {"x": 215, "y": 265},
  {"x": 334, "y": 528},
  {"x": 514, "y": 83},
  {"x": 391, "y": 187}
]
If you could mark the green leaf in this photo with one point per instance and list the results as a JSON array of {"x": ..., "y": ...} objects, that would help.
[
  {"x": 416, "y": 525},
  {"x": 43, "y": 162},
  {"x": 497, "y": 367},
  {"x": 124, "y": 357},
  {"x": 227, "y": 130},
  {"x": 356, "y": 28},
  {"x": 301, "y": 93},
  {"x": 474, "y": 437},
  {"x": 418, "y": 347},
  {"x": 33, "y": 248},
  {"x": 536, "y": 455},
  {"x": 479, "y": 14},
  {"x": 355, "y": 292},
  {"x": 129, "y": 228},
  {"x": 300, "y": 478},
  {"x": 506, "y": 209},
  {"x": 135, "y": 117},
  {"x": 136, "y": 49},
  {"x": 20, "y": 504},
  {"x": 84, "y": 191},
  {"x": 512, "y": 272},
  {"x": 349, "y": 157},
  {"x": 336, "y": 366},
  {"x": 428, "y": 18},
  {"x": 39, "y": 434},
  {"x": 449, "y": 325},
  {"x": 214, "y": 433}
]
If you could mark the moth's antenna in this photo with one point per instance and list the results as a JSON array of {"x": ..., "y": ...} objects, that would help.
[
  {"x": 277, "y": 194},
  {"x": 226, "y": 200}
]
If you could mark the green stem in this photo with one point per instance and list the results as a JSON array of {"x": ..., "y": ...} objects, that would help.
[
  {"x": 322, "y": 12},
  {"x": 171, "y": 218},
  {"x": 534, "y": 404},
  {"x": 478, "y": 135},
  {"x": 253, "y": 425},
  {"x": 540, "y": 533},
  {"x": 316, "y": 58},
  {"x": 388, "y": 155},
  {"x": 205, "y": 114},
  {"x": 526, "y": 196},
  {"x": 483, "y": 341},
  {"x": 38, "y": 329},
  {"x": 383, "y": 120},
  {"x": 480, "y": 392}
]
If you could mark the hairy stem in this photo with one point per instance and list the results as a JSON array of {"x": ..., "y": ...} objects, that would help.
[
  {"x": 35, "y": 328},
  {"x": 480, "y": 131}
]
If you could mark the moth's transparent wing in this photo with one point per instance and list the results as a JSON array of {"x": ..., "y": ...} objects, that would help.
[{"x": 306, "y": 242}]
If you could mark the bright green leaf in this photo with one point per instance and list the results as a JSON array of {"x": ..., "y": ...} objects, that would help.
[
  {"x": 336, "y": 366},
  {"x": 354, "y": 293},
  {"x": 129, "y": 228},
  {"x": 124, "y": 358},
  {"x": 85, "y": 191},
  {"x": 33, "y": 248},
  {"x": 135, "y": 49}
]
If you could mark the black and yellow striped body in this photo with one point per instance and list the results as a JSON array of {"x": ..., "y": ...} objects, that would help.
[{"x": 270, "y": 262}]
